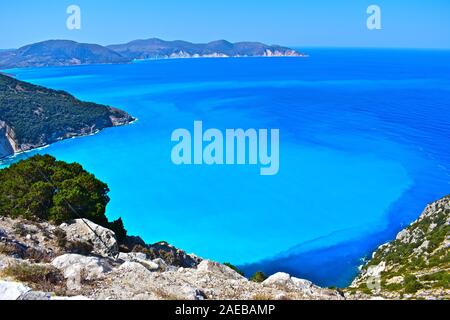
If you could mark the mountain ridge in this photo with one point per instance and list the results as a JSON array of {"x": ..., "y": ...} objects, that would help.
[
  {"x": 155, "y": 48},
  {"x": 68, "y": 52}
]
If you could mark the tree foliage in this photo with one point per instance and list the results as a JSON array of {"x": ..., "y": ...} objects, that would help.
[{"x": 43, "y": 188}]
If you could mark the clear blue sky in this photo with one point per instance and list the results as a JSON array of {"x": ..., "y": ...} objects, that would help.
[{"x": 413, "y": 23}]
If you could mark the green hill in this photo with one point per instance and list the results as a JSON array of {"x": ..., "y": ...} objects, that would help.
[{"x": 32, "y": 116}]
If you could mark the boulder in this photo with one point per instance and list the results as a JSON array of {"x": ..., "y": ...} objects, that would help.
[
  {"x": 77, "y": 269},
  {"x": 133, "y": 267},
  {"x": 141, "y": 258},
  {"x": 36, "y": 296},
  {"x": 219, "y": 269},
  {"x": 131, "y": 256},
  {"x": 81, "y": 230},
  {"x": 285, "y": 282},
  {"x": 12, "y": 290}
]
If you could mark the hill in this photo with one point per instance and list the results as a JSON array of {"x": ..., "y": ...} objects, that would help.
[
  {"x": 33, "y": 116},
  {"x": 58, "y": 53},
  {"x": 157, "y": 48},
  {"x": 416, "y": 264},
  {"x": 68, "y": 53}
]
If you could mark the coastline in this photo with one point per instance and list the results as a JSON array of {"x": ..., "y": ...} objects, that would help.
[{"x": 8, "y": 158}]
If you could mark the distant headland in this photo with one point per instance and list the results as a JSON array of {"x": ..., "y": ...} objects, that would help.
[{"x": 67, "y": 53}]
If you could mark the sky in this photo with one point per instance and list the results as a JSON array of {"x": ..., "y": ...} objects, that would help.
[{"x": 298, "y": 23}]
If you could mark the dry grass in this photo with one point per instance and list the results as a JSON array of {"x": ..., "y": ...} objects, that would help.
[
  {"x": 262, "y": 297},
  {"x": 164, "y": 295},
  {"x": 38, "y": 276}
]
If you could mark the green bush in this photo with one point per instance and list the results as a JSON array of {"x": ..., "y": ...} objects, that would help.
[
  {"x": 42, "y": 188},
  {"x": 258, "y": 277},
  {"x": 411, "y": 284}
]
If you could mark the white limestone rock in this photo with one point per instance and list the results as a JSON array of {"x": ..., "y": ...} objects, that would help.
[
  {"x": 12, "y": 290},
  {"x": 79, "y": 231},
  {"x": 77, "y": 268}
]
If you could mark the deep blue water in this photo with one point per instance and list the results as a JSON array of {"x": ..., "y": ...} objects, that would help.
[{"x": 364, "y": 147}]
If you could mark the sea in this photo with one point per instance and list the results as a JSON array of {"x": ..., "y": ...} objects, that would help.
[{"x": 364, "y": 147}]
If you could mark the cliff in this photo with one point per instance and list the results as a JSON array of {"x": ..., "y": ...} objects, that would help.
[
  {"x": 416, "y": 265},
  {"x": 157, "y": 49},
  {"x": 32, "y": 116}
]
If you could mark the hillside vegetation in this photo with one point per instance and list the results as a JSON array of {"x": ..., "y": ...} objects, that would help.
[
  {"x": 417, "y": 263},
  {"x": 43, "y": 189},
  {"x": 36, "y": 116}
]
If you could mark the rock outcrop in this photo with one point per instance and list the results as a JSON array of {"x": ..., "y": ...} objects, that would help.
[
  {"x": 103, "y": 240},
  {"x": 37, "y": 263},
  {"x": 7, "y": 145}
]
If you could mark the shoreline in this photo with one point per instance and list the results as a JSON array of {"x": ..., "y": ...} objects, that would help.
[
  {"x": 2, "y": 71},
  {"x": 9, "y": 158}
]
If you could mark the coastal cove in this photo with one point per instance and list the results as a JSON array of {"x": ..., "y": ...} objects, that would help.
[{"x": 363, "y": 137}]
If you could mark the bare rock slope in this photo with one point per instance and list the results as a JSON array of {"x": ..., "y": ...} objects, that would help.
[{"x": 43, "y": 261}]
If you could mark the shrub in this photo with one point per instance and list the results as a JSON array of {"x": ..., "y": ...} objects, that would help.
[
  {"x": 258, "y": 277},
  {"x": 43, "y": 188},
  {"x": 411, "y": 284},
  {"x": 119, "y": 229},
  {"x": 39, "y": 277}
]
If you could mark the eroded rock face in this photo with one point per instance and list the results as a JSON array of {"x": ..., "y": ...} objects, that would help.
[
  {"x": 6, "y": 148},
  {"x": 83, "y": 230}
]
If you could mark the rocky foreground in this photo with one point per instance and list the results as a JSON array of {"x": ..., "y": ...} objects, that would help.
[
  {"x": 45, "y": 262},
  {"x": 42, "y": 261}
]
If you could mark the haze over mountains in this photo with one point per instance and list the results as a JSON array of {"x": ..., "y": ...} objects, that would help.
[{"x": 66, "y": 52}]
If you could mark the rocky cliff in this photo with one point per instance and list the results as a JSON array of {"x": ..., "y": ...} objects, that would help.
[
  {"x": 416, "y": 265},
  {"x": 157, "y": 49},
  {"x": 8, "y": 145}
]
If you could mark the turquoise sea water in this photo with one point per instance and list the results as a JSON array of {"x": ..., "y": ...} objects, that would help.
[{"x": 364, "y": 138}]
